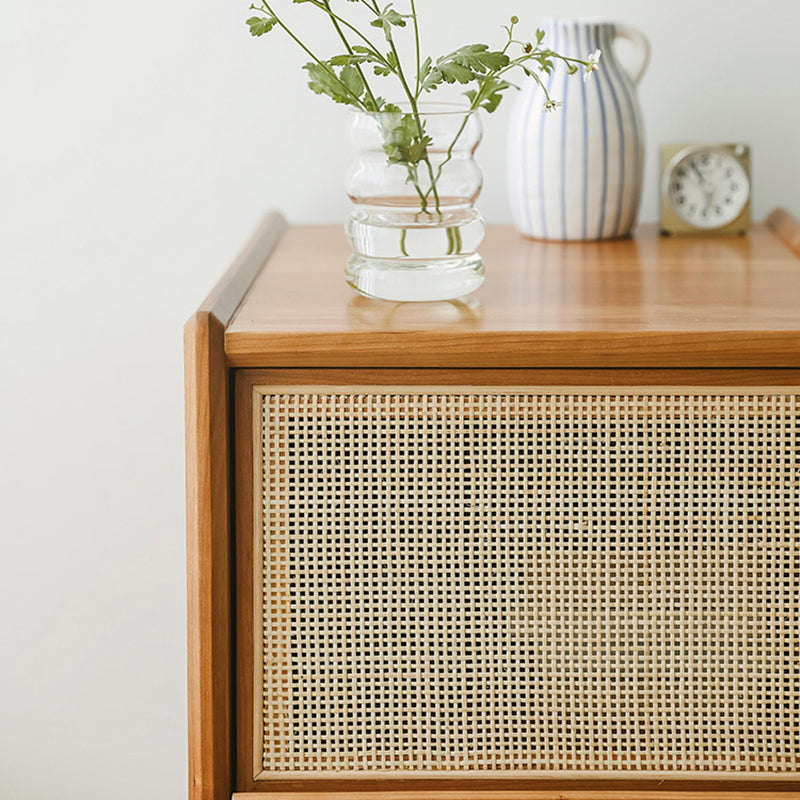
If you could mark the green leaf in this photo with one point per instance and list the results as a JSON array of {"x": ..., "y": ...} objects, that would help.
[
  {"x": 261, "y": 25},
  {"x": 352, "y": 80},
  {"x": 464, "y": 65},
  {"x": 418, "y": 149},
  {"x": 389, "y": 18},
  {"x": 489, "y": 94},
  {"x": 349, "y": 58},
  {"x": 323, "y": 80},
  {"x": 404, "y": 140},
  {"x": 386, "y": 65},
  {"x": 425, "y": 70},
  {"x": 492, "y": 102},
  {"x": 479, "y": 58},
  {"x": 452, "y": 71}
]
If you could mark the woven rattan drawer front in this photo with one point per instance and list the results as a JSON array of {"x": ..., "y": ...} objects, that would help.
[{"x": 496, "y": 580}]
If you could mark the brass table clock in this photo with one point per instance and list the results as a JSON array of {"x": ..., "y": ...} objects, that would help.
[{"x": 705, "y": 188}]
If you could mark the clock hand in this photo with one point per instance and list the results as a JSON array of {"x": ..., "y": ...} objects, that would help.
[{"x": 697, "y": 170}]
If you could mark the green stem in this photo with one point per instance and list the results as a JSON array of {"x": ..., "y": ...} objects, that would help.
[
  {"x": 346, "y": 24},
  {"x": 542, "y": 86},
  {"x": 452, "y": 145},
  {"x": 412, "y": 98},
  {"x": 350, "y": 51},
  {"x": 416, "y": 42},
  {"x": 297, "y": 41},
  {"x": 373, "y": 7},
  {"x": 420, "y": 131},
  {"x": 518, "y": 62},
  {"x": 495, "y": 74}
]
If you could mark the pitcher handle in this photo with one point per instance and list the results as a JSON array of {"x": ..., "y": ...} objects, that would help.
[{"x": 642, "y": 45}]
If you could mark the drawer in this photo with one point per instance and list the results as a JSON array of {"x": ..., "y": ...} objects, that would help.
[{"x": 489, "y": 578}]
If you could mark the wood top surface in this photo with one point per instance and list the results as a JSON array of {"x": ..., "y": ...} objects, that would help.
[{"x": 648, "y": 301}]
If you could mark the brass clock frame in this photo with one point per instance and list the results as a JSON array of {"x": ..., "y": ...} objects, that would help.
[{"x": 671, "y": 223}]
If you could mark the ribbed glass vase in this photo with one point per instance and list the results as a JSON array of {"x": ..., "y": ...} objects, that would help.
[{"x": 413, "y": 182}]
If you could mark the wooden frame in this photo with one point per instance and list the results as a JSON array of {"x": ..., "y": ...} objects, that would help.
[
  {"x": 215, "y": 766},
  {"x": 532, "y": 794},
  {"x": 460, "y": 786},
  {"x": 208, "y": 521},
  {"x": 786, "y": 228},
  {"x": 611, "y": 316}
]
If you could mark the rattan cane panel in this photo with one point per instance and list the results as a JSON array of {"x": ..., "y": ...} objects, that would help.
[{"x": 513, "y": 580}]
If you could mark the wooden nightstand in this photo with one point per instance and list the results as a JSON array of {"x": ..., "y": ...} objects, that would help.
[{"x": 539, "y": 543}]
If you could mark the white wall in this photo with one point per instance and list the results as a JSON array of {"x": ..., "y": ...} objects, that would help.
[{"x": 140, "y": 144}]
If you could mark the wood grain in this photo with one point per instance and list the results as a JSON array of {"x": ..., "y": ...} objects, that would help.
[
  {"x": 245, "y": 549},
  {"x": 649, "y": 301},
  {"x": 786, "y": 228},
  {"x": 208, "y": 522},
  {"x": 563, "y": 794},
  {"x": 207, "y": 558},
  {"x": 520, "y": 377}
]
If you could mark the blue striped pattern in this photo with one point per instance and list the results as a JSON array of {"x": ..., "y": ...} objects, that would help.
[
  {"x": 604, "y": 77},
  {"x": 564, "y": 155},
  {"x": 604, "y": 193},
  {"x": 576, "y": 173},
  {"x": 585, "y": 108}
]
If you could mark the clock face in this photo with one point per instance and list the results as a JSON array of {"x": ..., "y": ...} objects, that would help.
[{"x": 708, "y": 188}]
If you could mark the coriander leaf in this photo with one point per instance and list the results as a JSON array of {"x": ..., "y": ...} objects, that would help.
[
  {"x": 452, "y": 71},
  {"x": 489, "y": 94},
  {"x": 404, "y": 140},
  {"x": 323, "y": 80},
  {"x": 479, "y": 58},
  {"x": 388, "y": 18},
  {"x": 387, "y": 65},
  {"x": 352, "y": 80},
  {"x": 418, "y": 149},
  {"x": 349, "y": 58},
  {"x": 261, "y": 25},
  {"x": 464, "y": 65},
  {"x": 425, "y": 70}
]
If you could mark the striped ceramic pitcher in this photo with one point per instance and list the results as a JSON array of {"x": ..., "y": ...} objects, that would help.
[{"x": 576, "y": 173}]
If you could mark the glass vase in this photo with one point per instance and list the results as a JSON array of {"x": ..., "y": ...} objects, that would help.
[{"x": 413, "y": 182}]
